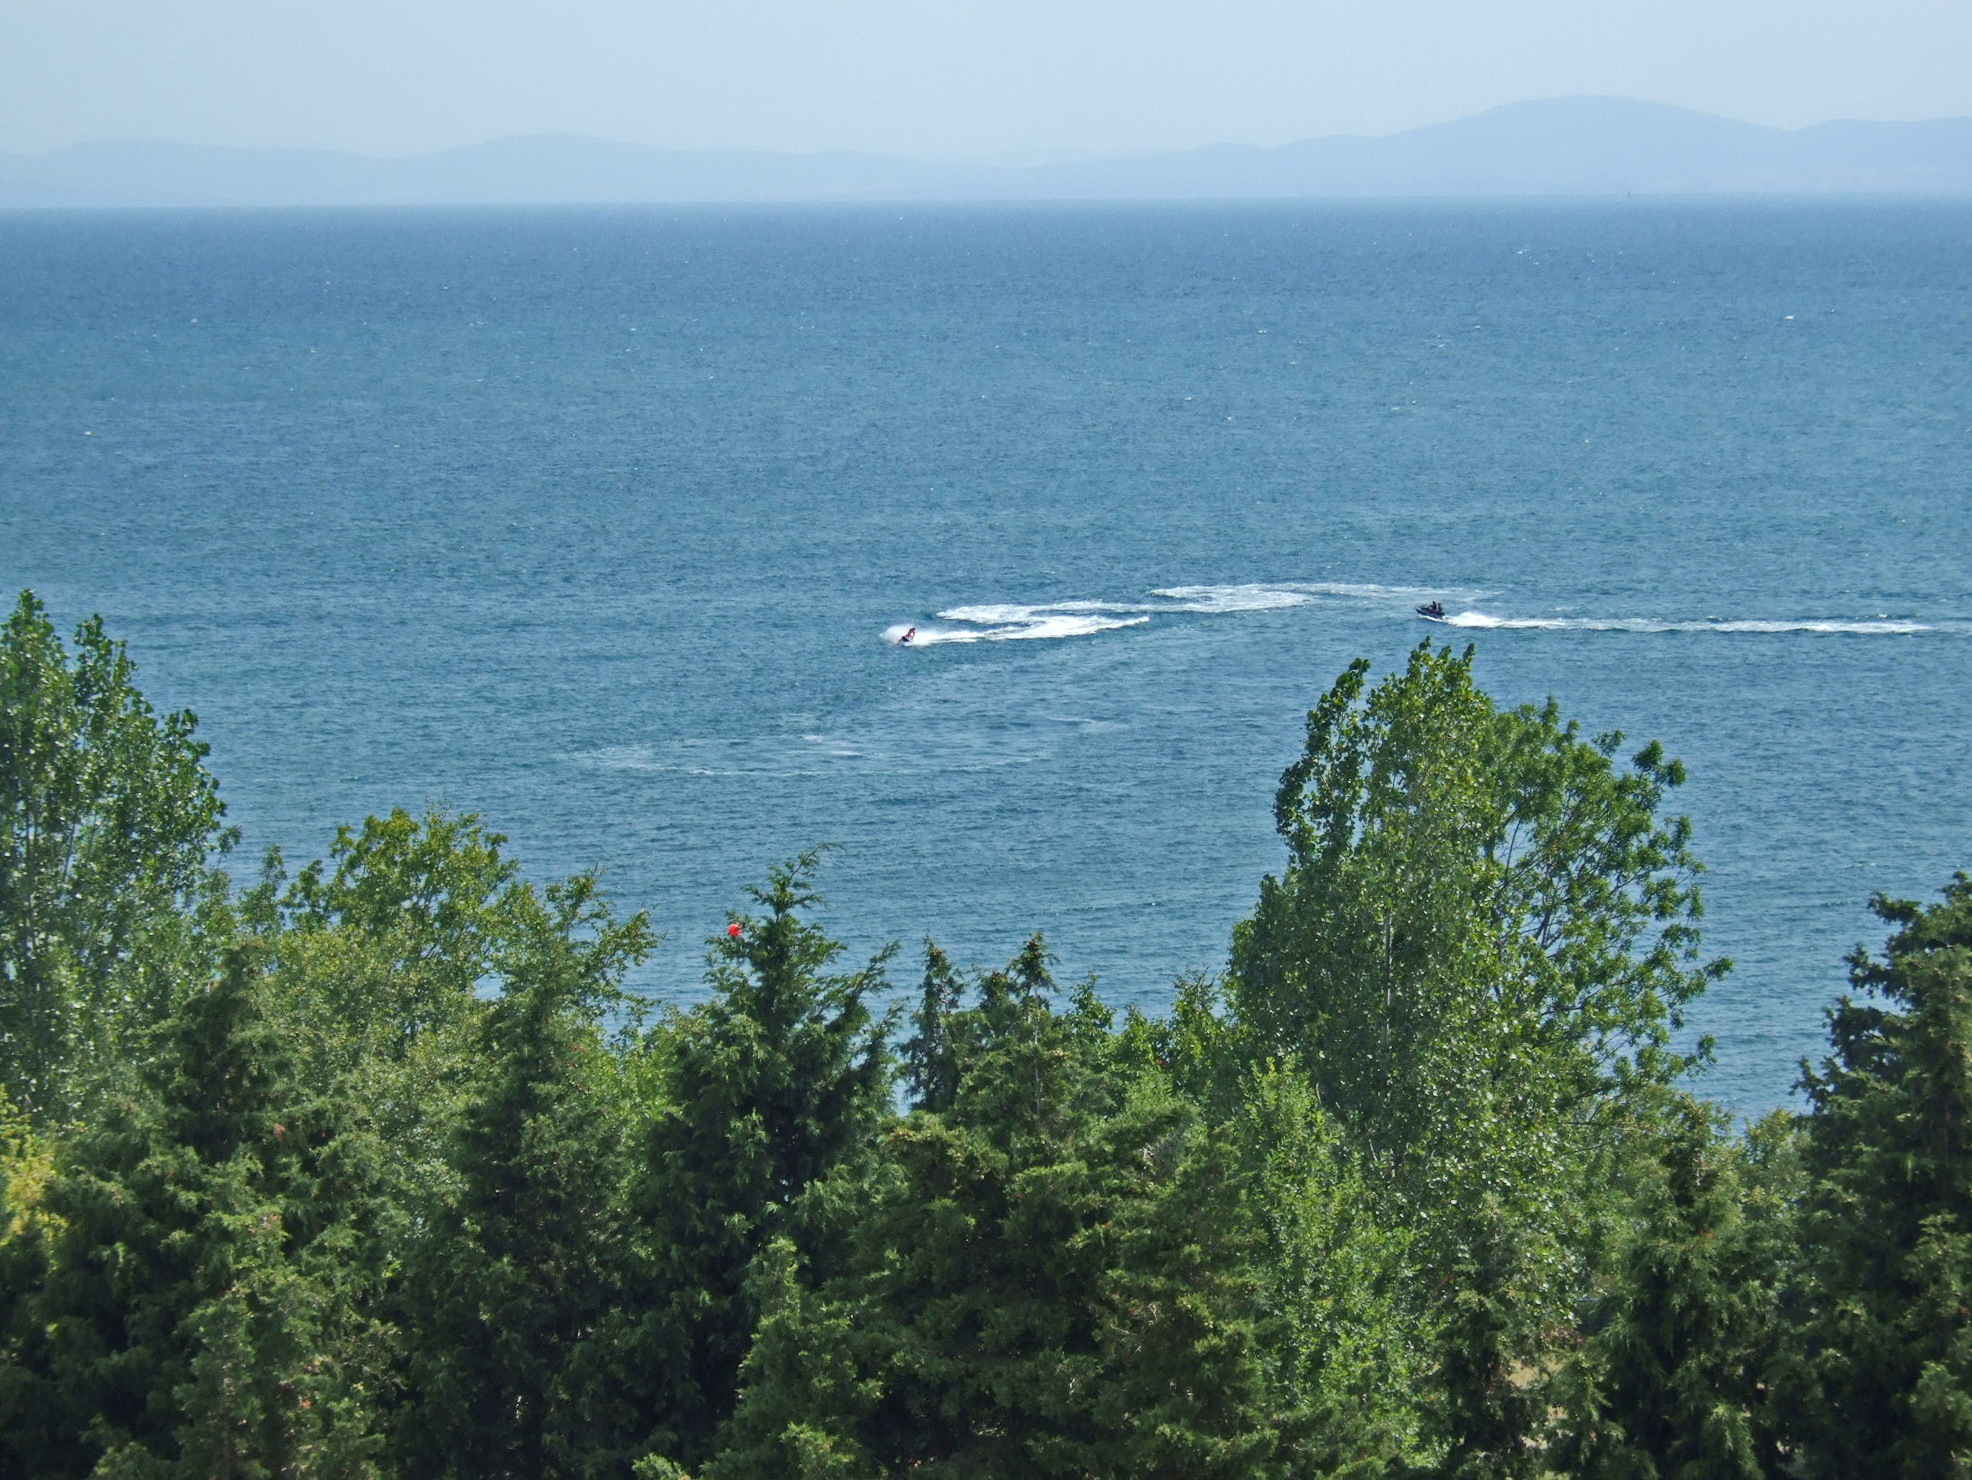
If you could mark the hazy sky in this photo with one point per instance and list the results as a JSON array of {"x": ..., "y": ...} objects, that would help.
[{"x": 990, "y": 79}]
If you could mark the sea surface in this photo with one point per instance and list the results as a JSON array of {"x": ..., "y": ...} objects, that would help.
[{"x": 604, "y": 523}]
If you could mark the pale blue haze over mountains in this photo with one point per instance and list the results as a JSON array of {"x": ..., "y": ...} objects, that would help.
[
  {"x": 596, "y": 520},
  {"x": 1566, "y": 146}
]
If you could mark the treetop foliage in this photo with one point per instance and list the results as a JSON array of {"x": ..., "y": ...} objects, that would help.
[
  {"x": 108, "y": 821},
  {"x": 379, "y": 1170},
  {"x": 1885, "y": 1365},
  {"x": 1437, "y": 842}
]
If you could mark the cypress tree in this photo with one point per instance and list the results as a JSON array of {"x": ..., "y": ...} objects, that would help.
[
  {"x": 1673, "y": 1378},
  {"x": 1879, "y": 1377},
  {"x": 1055, "y": 1281},
  {"x": 509, "y": 1285},
  {"x": 206, "y": 1307},
  {"x": 930, "y": 1057},
  {"x": 775, "y": 1085}
]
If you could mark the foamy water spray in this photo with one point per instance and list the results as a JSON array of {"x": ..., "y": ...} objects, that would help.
[
  {"x": 1011, "y": 622},
  {"x": 1016, "y": 622}
]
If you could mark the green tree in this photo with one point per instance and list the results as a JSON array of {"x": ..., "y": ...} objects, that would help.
[
  {"x": 413, "y": 913},
  {"x": 107, "y": 821},
  {"x": 1053, "y": 1279},
  {"x": 27, "y": 1164},
  {"x": 205, "y": 1302},
  {"x": 768, "y": 1090},
  {"x": 514, "y": 1272},
  {"x": 1346, "y": 1355},
  {"x": 1673, "y": 1379},
  {"x": 1880, "y": 1370},
  {"x": 1477, "y": 952},
  {"x": 379, "y": 958},
  {"x": 931, "y": 1060}
]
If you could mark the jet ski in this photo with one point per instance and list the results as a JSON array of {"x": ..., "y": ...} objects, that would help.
[{"x": 1432, "y": 611}]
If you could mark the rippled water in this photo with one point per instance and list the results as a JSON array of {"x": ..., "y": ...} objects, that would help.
[{"x": 609, "y": 524}]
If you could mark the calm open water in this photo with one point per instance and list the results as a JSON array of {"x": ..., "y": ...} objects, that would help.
[{"x": 595, "y": 521}]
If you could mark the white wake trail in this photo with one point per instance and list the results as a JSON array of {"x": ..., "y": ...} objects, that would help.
[
  {"x": 1878, "y": 627},
  {"x": 1052, "y": 620}
]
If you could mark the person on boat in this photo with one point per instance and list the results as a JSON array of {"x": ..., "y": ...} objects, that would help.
[
  {"x": 1431, "y": 609},
  {"x": 905, "y": 640}
]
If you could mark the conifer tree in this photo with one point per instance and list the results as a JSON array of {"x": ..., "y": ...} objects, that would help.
[
  {"x": 205, "y": 1307},
  {"x": 778, "y": 1082},
  {"x": 1879, "y": 1378},
  {"x": 1673, "y": 1379},
  {"x": 930, "y": 1058},
  {"x": 516, "y": 1271},
  {"x": 1054, "y": 1282}
]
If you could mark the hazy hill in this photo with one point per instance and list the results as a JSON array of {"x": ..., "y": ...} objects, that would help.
[{"x": 1564, "y": 146}]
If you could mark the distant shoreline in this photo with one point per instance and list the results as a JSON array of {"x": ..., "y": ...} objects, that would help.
[{"x": 1565, "y": 148}]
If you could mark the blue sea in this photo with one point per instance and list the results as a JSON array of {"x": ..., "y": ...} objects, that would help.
[{"x": 604, "y": 523}]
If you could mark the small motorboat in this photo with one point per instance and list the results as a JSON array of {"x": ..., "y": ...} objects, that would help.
[{"x": 1432, "y": 611}]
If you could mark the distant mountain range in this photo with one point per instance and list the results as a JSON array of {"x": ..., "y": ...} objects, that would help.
[{"x": 1560, "y": 147}]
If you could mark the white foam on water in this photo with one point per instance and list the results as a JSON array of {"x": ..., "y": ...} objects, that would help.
[
  {"x": 926, "y": 635},
  {"x": 624, "y": 758},
  {"x": 1215, "y": 599},
  {"x": 1484, "y": 621},
  {"x": 1044, "y": 625},
  {"x": 1018, "y": 622},
  {"x": 1013, "y": 622},
  {"x": 1008, "y": 624},
  {"x": 1859, "y": 629}
]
